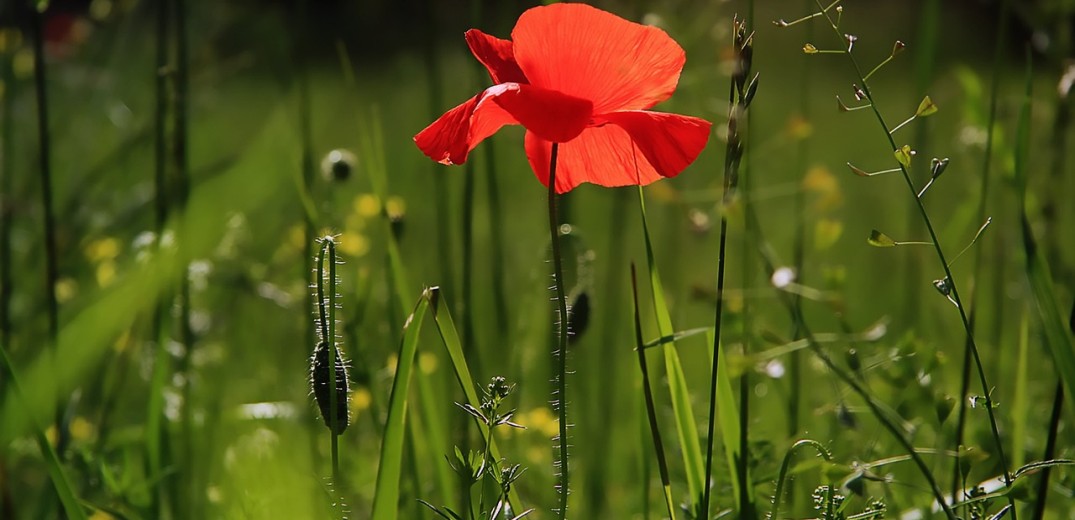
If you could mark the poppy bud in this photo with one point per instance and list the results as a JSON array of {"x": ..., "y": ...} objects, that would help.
[
  {"x": 337, "y": 165},
  {"x": 319, "y": 380},
  {"x": 578, "y": 316}
]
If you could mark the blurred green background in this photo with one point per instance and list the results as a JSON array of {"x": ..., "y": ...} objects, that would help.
[{"x": 365, "y": 77}]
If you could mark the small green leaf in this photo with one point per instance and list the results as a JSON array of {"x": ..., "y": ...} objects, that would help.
[
  {"x": 858, "y": 171},
  {"x": 904, "y": 154},
  {"x": 926, "y": 108},
  {"x": 879, "y": 239},
  {"x": 809, "y": 48}
]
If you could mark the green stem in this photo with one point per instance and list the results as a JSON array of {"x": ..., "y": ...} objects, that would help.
[
  {"x": 326, "y": 308},
  {"x": 161, "y": 369},
  {"x": 651, "y": 409},
  {"x": 561, "y": 342},
  {"x": 1050, "y": 451},
  {"x": 51, "y": 256},
  {"x": 786, "y": 465}
]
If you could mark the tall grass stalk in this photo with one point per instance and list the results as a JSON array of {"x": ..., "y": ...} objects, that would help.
[
  {"x": 651, "y": 409},
  {"x": 44, "y": 153},
  {"x": 155, "y": 431},
  {"x": 1059, "y": 337},
  {"x": 986, "y": 389},
  {"x": 743, "y": 94},
  {"x": 7, "y": 173},
  {"x": 7, "y": 165},
  {"x": 740, "y": 93},
  {"x": 560, "y": 354},
  {"x": 987, "y": 159},
  {"x": 189, "y": 504},
  {"x": 798, "y": 255},
  {"x": 686, "y": 427},
  {"x": 1051, "y": 209}
]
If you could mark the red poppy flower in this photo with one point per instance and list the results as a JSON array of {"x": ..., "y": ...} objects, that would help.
[{"x": 579, "y": 76}]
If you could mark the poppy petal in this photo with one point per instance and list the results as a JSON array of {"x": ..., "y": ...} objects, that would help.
[
  {"x": 599, "y": 155},
  {"x": 591, "y": 54},
  {"x": 670, "y": 142},
  {"x": 550, "y": 114},
  {"x": 497, "y": 56},
  {"x": 453, "y": 135},
  {"x": 632, "y": 148}
]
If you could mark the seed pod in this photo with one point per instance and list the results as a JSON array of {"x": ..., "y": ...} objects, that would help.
[
  {"x": 578, "y": 316},
  {"x": 338, "y": 164},
  {"x": 319, "y": 380}
]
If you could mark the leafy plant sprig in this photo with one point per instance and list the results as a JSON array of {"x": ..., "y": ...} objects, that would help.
[
  {"x": 903, "y": 155},
  {"x": 474, "y": 467}
]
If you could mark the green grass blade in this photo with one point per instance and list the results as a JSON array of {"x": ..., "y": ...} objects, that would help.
[
  {"x": 651, "y": 412},
  {"x": 71, "y": 505},
  {"x": 1058, "y": 338},
  {"x": 386, "y": 497},
  {"x": 1020, "y": 404},
  {"x": 450, "y": 337},
  {"x": 686, "y": 428},
  {"x": 727, "y": 415},
  {"x": 372, "y": 146}
]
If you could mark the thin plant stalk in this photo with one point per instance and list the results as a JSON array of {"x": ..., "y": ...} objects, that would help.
[
  {"x": 7, "y": 170},
  {"x": 7, "y": 163},
  {"x": 986, "y": 390},
  {"x": 651, "y": 409},
  {"x": 181, "y": 165},
  {"x": 155, "y": 405},
  {"x": 798, "y": 254},
  {"x": 987, "y": 158},
  {"x": 1050, "y": 449},
  {"x": 561, "y": 340},
  {"x": 746, "y": 501},
  {"x": 45, "y": 172},
  {"x": 738, "y": 100}
]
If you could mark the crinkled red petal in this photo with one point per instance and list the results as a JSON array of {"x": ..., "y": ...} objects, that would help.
[
  {"x": 591, "y": 54},
  {"x": 547, "y": 113},
  {"x": 670, "y": 142},
  {"x": 450, "y": 138},
  {"x": 497, "y": 56},
  {"x": 630, "y": 148}
]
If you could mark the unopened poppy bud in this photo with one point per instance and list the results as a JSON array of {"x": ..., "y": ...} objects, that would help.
[
  {"x": 338, "y": 164},
  {"x": 319, "y": 380},
  {"x": 578, "y": 316}
]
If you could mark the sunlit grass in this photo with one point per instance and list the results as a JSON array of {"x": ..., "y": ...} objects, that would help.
[{"x": 253, "y": 444}]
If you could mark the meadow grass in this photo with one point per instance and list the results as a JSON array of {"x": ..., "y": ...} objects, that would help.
[{"x": 163, "y": 373}]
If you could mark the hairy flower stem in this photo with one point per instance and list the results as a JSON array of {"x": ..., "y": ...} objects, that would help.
[
  {"x": 561, "y": 340},
  {"x": 986, "y": 391},
  {"x": 326, "y": 309}
]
